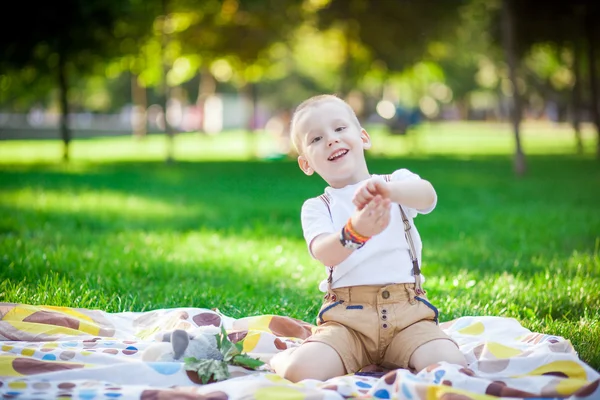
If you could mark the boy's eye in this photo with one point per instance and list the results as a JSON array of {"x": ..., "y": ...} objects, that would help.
[
  {"x": 340, "y": 128},
  {"x": 315, "y": 139}
]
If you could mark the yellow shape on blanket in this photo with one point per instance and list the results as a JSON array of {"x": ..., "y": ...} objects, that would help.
[
  {"x": 275, "y": 378},
  {"x": 28, "y": 352},
  {"x": 570, "y": 368},
  {"x": 69, "y": 311},
  {"x": 7, "y": 348},
  {"x": 250, "y": 341},
  {"x": 570, "y": 386},
  {"x": 474, "y": 329},
  {"x": 260, "y": 323},
  {"x": 501, "y": 351},
  {"x": 18, "y": 313},
  {"x": 436, "y": 392},
  {"x": 45, "y": 329},
  {"x": 279, "y": 393},
  {"x": 6, "y": 368},
  {"x": 17, "y": 385}
]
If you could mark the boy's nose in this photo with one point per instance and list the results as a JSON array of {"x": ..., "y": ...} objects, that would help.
[{"x": 333, "y": 140}]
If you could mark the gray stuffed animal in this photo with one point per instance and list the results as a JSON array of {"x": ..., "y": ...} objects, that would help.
[{"x": 176, "y": 346}]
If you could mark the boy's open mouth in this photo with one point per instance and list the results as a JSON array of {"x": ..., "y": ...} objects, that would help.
[{"x": 338, "y": 154}]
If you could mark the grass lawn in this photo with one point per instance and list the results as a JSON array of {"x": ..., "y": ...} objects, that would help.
[{"x": 119, "y": 230}]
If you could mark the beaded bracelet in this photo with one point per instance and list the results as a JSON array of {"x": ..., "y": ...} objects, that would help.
[{"x": 352, "y": 239}]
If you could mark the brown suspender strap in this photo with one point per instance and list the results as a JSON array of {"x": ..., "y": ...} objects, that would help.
[
  {"x": 325, "y": 199},
  {"x": 411, "y": 247}
]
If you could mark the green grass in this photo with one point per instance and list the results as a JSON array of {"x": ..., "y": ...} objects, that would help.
[{"x": 127, "y": 232}]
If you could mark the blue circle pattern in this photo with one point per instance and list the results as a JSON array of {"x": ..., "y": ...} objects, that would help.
[
  {"x": 382, "y": 394},
  {"x": 165, "y": 368}
]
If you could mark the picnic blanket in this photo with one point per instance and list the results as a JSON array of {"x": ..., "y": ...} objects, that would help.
[{"x": 59, "y": 352}]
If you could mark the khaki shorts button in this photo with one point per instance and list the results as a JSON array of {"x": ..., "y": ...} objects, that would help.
[
  {"x": 385, "y": 294},
  {"x": 384, "y": 325},
  {"x": 383, "y": 311},
  {"x": 384, "y": 317}
]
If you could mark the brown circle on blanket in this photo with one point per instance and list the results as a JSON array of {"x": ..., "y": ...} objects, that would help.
[
  {"x": 53, "y": 318},
  {"x": 30, "y": 366},
  {"x": 205, "y": 319},
  {"x": 467, "y": 371},
  {"x": 279, "y": 344},
  {"x": 66, "y": 385},
  {"x": 67, "y": 355},
  {"x": 499, "y": 389},
  {"x": 290, "y": 327},
  {"x": 89, "y": 345},
  {"x": 390, "y": 377},
  {"x": 111, "y": 351},
  {"x": 237, "y": 336},
  {"x": 559, "y": 374},
  {"x": 129, "y": 351},
  {"x": 446, "y": 383},
  {"x": 478, "y": 350},
  {"x": 589, "y": 389},
  {"x": 215, "y": 396},
  {"x": 492, "y": 366}
]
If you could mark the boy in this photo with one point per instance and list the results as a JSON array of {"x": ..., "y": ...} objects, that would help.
[{"x": 375, "y": 311}]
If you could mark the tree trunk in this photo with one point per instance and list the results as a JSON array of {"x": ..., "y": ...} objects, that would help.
[
  {"x": 63, "y": 85},
  {"x": 251, "y": 95},
  {"x": 169, "y": 131},
  {"x": 139, "y": 121},
  {"x": 508, "y": 36},
  {"x": 590, "y": 33},
  {"x": 206, "y": 88},
  {"x": 346, "y": 70},
  {"x": 576, "y": 98}
]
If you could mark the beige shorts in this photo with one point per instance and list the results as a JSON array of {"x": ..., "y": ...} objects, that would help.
[{"x": 381, "y": 325}]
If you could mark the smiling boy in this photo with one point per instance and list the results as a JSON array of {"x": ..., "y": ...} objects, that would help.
[{"x": 375, "y": 311}]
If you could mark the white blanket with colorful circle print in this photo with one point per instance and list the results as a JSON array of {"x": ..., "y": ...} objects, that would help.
[{"x": 59, "y": 352}]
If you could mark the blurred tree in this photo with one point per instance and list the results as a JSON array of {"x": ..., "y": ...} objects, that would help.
[
  {"x": 396, "y": 33},
  {"x": 234, "y": 42},
  {"x": 568, "y": 25},
  {"x": 60, "y": 40}
]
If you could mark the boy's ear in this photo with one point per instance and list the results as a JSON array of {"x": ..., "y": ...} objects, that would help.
[
  {"x": 366, "y": 139},
  {"x": 303, "y": 163}
]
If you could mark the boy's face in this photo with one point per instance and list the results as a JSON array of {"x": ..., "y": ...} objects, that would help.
[{"x": 332, "y": 145}]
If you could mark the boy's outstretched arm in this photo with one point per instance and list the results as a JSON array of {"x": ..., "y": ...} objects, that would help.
[
  {"x": 418, "y": 194},
  {"x": 369, "y": 221}
]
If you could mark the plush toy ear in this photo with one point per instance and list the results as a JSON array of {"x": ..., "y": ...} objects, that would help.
[{"x": 180, "y": 341}]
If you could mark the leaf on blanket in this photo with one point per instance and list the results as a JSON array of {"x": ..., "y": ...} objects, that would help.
[
  {"x": 208, "y": 370},
  {"x": 246, "y": 361},
  {"x": 215, "y": 370}
]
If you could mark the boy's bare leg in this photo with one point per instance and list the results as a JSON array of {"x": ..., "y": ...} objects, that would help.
[
  {"x": 312, "y": 360},
  {"x": 436, "y": 351}
]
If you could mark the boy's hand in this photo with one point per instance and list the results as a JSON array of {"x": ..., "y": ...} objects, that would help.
[
  {"x": 367, "y": 192},
  {"x": 373, "y": 218}
]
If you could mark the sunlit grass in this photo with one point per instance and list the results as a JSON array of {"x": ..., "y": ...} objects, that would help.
[
  {"x": 444, "y": 138},
  {"x": 119, "y": 234}
]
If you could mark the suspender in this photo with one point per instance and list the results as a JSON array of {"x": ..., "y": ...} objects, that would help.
[{"x": 416, "y": 270}]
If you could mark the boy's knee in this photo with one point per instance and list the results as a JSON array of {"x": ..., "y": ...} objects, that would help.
[{"x": 297, "y": 371}]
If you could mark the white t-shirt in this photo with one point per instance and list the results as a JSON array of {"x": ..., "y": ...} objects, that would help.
[{"x": 384, "y": 259}]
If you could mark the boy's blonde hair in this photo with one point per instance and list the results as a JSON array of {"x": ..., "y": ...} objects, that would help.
[{"x": 312, "y": 102}]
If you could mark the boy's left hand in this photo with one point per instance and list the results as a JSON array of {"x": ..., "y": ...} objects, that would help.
[{"x": 368, "y": 190}]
